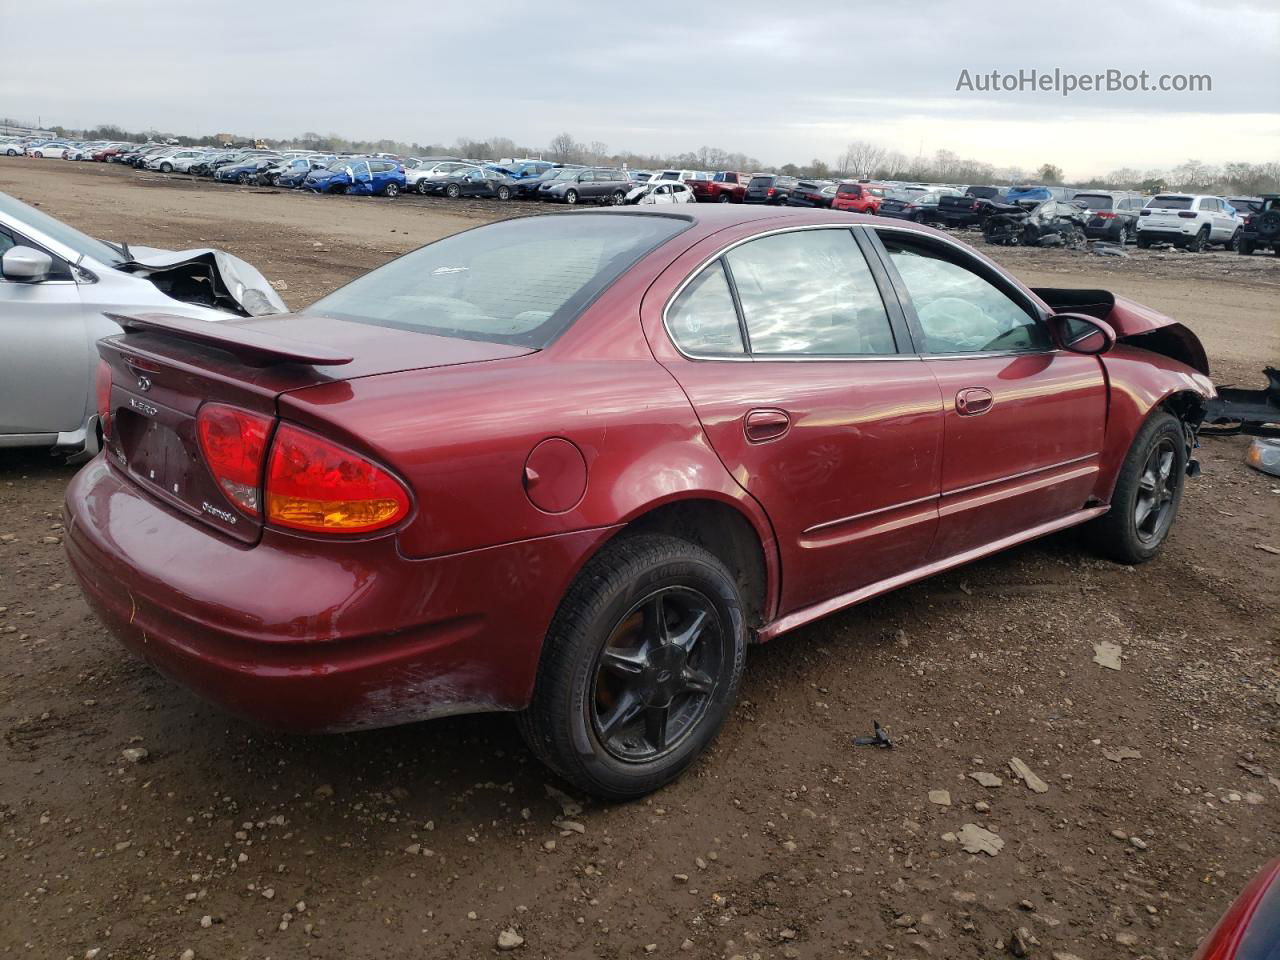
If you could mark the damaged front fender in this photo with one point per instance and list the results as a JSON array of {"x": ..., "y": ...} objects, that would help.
[{"x": 208, "y": 278}]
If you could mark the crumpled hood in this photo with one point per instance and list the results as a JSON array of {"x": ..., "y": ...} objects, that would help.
[{"x": 208, "y": 277}]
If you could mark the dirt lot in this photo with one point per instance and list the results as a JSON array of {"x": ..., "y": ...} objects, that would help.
[{"x": 786, "y": 840}]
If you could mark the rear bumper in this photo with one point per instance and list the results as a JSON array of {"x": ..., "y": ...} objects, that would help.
[{"x": 311, "y": 636}]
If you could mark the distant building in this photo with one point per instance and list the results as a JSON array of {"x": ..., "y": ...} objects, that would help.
[{"x": 226, "y": 138}]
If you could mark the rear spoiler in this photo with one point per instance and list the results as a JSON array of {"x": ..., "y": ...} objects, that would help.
[{"x": 244, "y": 339}]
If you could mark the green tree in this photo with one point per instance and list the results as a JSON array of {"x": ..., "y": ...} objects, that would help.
[{"x": 1050, "y": 175}]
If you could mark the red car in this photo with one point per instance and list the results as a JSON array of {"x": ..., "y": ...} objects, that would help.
[
  {"x": 858, "y": 197},
  {"x": 572, "y": 465},
  {"x": 1250, "y": 929},
  {"x": 726, "y": 186}
]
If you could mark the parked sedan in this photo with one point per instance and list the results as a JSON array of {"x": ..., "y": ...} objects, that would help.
[
  {"x": 246, "y": 171},
  {"x": 478, "y": 182},
  {"x": 917, "y": 207},
  {"x": 660, "y": 192},
  {"x": 429, "y": 177},
  {"x": 58, "y": 290},
  {"x": 812, "y": 193},
  {"x": 55, "y": 149},
  {"x": 521, "y": 468}
]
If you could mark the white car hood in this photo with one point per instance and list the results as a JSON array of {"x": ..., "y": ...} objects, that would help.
[{"x": 231, "y": 277}]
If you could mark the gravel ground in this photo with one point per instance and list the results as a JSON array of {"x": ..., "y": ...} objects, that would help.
[{"x": 138, "y": 822}]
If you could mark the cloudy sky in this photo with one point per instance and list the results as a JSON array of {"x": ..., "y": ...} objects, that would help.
[{"x": 749, "y": 76}]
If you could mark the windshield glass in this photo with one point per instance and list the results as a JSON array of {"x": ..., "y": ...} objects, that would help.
[
  {"x": 59, "y": 232},
  {"x": 517, "y": 281}
]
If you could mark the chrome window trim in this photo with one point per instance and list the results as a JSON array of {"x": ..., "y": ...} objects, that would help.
[{"x": 771, "y": 358}]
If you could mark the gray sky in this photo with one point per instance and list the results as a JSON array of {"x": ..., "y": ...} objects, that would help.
[{"x": 746, "y": 76}]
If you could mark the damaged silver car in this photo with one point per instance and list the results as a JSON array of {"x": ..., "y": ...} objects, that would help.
[{"x": 57, "y": 286}]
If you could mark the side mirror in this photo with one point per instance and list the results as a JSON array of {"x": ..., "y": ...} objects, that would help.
[
  {"x": 1081, "y": 333},
  {"x": 25, "y": 265}
]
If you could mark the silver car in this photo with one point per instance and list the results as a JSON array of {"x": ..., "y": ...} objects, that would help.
[{"x": 57, "y": 286}]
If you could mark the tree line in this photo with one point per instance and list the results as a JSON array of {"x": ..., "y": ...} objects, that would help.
[{"x": 860, "y": 159}]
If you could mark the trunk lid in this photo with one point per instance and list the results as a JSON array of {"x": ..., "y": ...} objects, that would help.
[{"x": 164, "y": 368}]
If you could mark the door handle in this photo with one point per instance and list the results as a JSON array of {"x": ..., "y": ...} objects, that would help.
[
  {"x": 973, "y": 401},
  {"x": 766, "y": 424}
]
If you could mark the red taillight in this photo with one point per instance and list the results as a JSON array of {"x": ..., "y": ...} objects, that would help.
[
  {"x": 102, "y": 389},
  {"x": 1104, "y": 214},
  {"x": 320, "y": 487},
  {"x": 771, "y": 192},
  {"x": 234, "y": 443}
]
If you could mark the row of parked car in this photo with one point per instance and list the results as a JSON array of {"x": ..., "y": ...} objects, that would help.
[{"x": 1027, "y": 214}]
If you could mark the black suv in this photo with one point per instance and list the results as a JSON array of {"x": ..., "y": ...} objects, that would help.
[
  {"x": 770, "y": 188},
  {"x": 1261, "y": 230}
]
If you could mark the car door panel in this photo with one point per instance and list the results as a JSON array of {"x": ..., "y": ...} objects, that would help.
[
  {"x": 1029, "y": 452},
  {"x": 1032, "y": 456},
  {"x": 44, "y": 366},
  {"x": 842, "y": 454}
]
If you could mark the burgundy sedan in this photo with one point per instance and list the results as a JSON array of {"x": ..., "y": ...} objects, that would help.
[{"x": 572, "y": 465}]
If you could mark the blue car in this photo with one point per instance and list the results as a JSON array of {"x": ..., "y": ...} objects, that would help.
[
  {"x": 1021, "y": 194},
  {"x": 357, "y": 176},
  {"x": 246, "y": 171},
  {"x": 293, "y": 172}
]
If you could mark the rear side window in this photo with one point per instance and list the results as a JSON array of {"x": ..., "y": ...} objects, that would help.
[
  {"x": 810, "y": 293},
  {"x": 518, "y": 281},
  {"x": 702, "y": 320}
]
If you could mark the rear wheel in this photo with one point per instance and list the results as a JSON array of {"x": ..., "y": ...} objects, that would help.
[
  {"x": 1199, "y": 241},
  {"x": 617, "y": 197},
  {"x": 724, "y": 198},
  {"x": 1144, "y": 243},
  {"x": 1233, "y": 242},
  {"x": 1148, "y": 491},
  {"x": 1244, "y": 246},
  {"x": 640, "y": 667}
]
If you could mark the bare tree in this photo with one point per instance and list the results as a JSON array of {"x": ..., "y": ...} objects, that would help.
[
  {"x": 564, "y": 149},
  {"x": 860, "y": 159}
]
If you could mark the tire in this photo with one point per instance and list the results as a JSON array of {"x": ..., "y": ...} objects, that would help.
[
  {"x": 1144, "y": 243},
  {"x": 615, "y": 199},
  {"x": 504, "y": 192},
  {"x": 1199, "y": 241},
  {"x": 392, "y": 189},
  {"x": 166, "y": 167},
  {"x": 1128, "y": 533},
  {"x": 1233, "y": 243},
  {"x": 453, "y": 191},
  {"x": 617, "y": 593},
  {"x": 1244, "y": 247},
  {"x": 724, "y": 198},
  {"x": 571, "y": 196},
  {"x": 245, "y": 179},
  {"x": 423, "y": 188}
]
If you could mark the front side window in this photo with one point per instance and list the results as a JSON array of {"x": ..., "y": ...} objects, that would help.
[
  {"x": 810, "y": 293},
  {"x": 960, "y": 311}
]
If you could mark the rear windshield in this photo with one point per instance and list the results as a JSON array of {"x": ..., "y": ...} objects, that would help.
[
  {"x": 983, "y": 193},
  {"x": 849, "y": 190},
  {"x": 760, "y": 182},
  {"x": 1094, "y": 201},
  {"x": 518, "y": 281},
  {"x": 1171, "y": 203}
]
